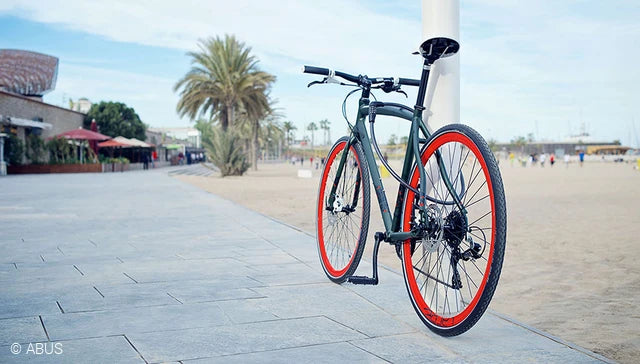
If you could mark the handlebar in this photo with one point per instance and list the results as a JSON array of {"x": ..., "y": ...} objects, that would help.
[{"x": 359, "y": 79}]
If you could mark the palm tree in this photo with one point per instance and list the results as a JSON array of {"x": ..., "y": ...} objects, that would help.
[
  {"x": 289, "y": 128},
  {"x": 260, "y": 111},
  {"x": 312, "y": 127},
  {"x": 224, "y": 77},
  {"x": 519, "y": 142},
  {"x": 225, "y": 150},
  {"x": 272, "y": 136},
  {"x": 326, "y": 130}
]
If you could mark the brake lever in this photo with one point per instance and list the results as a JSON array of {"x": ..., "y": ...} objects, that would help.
[
  {"x": 327, "y": 79},
  {"x": 404, "y": 93},
  {"x": 317, "y": 82}
]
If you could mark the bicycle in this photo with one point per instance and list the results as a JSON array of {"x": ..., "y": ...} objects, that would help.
[{"x": 449, "y": 222}]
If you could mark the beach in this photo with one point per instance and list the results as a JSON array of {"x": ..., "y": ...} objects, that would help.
[{"x": 571, "y": 263}]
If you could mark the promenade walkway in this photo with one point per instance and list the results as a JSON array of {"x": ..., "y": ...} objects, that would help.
[{"x": 140, "y": 267}]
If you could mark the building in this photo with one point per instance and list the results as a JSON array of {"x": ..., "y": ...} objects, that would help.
[
  {"x": 22, "y": 116},
  {"x": 27, "y": 73},
  {"x": 171, "y": 142},
  {"x": 83, "y": 105},
  {"x": 574, "y": 144},
  {"x": 190, "y": 136},
  {"x": 25, "y": 77}
]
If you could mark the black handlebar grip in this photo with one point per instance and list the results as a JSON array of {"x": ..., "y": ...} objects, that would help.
[
  {"x": 315, "y": 70},
  {"x": 409, "y": 82}
]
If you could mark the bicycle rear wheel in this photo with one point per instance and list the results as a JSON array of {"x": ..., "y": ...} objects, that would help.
[
  {"x": 451, "y": 274},
  {"x": 341, "y": 227}
]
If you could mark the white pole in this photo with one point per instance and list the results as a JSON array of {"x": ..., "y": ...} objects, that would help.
[
  {"x": 441, "y": 18},
  {"x": 3, "y": 165}
]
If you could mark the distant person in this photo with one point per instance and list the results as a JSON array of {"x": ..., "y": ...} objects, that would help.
[
  {"x": 581, "y": 158},
  {"x": 552, "y": 159},
  {"x": 543, "y": 158},
  {"x": 566, "y": 160},
  {"x": 301, "y": 161},
  {"x": 154, "y": 157},
  {"x": 180, "y": 158},
  {"x": 293, "y": 160},
  {"x": 145, "y": 161},
  {"x": 512, "y": 158}
]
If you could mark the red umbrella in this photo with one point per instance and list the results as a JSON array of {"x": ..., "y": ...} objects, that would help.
[
  {"x": 93, "y": 143},
  {"x": 83, "y": 134}
]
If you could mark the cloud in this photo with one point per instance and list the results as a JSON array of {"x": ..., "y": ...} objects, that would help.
[
  {"x": 134, "y": 89},
  {"x": 307, "y": 30}
]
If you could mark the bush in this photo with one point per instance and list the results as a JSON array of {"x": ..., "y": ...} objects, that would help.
[
  {"x": 225, "y": 151},
  {"x": 13, "y": 150},
  {"x": 35, "y": 149},
  {"x": 60, "y": 151},
  {"x": 122, "y": 160}
]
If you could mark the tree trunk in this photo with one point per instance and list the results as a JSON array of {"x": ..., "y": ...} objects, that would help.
[
  {"x": 225, "y": 122},
  {"x": 254, "y": 146}
]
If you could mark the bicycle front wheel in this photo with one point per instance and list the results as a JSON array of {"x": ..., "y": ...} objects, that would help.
[
  {"x": 343, "y": 221},
  {"x": 452, "y": 273}
]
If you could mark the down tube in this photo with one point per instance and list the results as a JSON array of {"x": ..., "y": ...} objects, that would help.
[{"x": 375, "y": 175}]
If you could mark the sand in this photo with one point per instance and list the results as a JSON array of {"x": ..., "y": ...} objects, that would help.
[{"x": 572, "y": 260}]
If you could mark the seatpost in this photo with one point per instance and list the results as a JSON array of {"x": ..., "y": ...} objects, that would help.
[
  {"x": 419, "y": 108},
  {"x": 422, "y": 91}
]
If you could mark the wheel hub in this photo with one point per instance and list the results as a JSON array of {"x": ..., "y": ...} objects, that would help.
[
  {"x": 338, "y": 204},
  {"x": 455, "y": 228}
]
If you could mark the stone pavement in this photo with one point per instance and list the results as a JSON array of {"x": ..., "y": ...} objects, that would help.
[{"x": 140, "y": 267}]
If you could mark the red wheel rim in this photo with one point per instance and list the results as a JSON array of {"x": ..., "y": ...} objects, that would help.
[
  {"x": 416, "y": 295},
  {"x": 331, "y": 270}
]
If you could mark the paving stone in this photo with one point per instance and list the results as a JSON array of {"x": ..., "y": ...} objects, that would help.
[
  {"x": 92, "y": 299},
  {"x": 246, "y": 311},
  {"x": 407, "y": 348},
  {"x": 21, "y": 330},
  {"x": 371, "y": 321},
  {"x": 275, "y": 259},
  {"x": 134, "y": 320},
  {"x": 326, "y": 353},
  {"x": 30, "y": 306},
  {"x": 311, "y": 300},
  {"x": 236, "y": 339},
  {"x": 99, "y": 350}
]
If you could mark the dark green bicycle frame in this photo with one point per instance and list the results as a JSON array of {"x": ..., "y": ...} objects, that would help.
[{"x": 392, "y": 224}]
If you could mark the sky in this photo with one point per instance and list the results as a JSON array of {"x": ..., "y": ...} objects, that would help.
[{"x": 544, "y": 67}]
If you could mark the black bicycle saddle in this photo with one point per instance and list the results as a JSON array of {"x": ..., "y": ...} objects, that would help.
[{"x": 436, "y": 48}]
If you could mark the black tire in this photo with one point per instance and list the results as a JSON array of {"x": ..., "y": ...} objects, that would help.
[
  {"x": 341, "y": 234},
  {"x": 476, "y": 285}
]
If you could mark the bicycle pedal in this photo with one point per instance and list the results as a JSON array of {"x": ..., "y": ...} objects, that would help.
[{"x": 363, "y": 280}]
